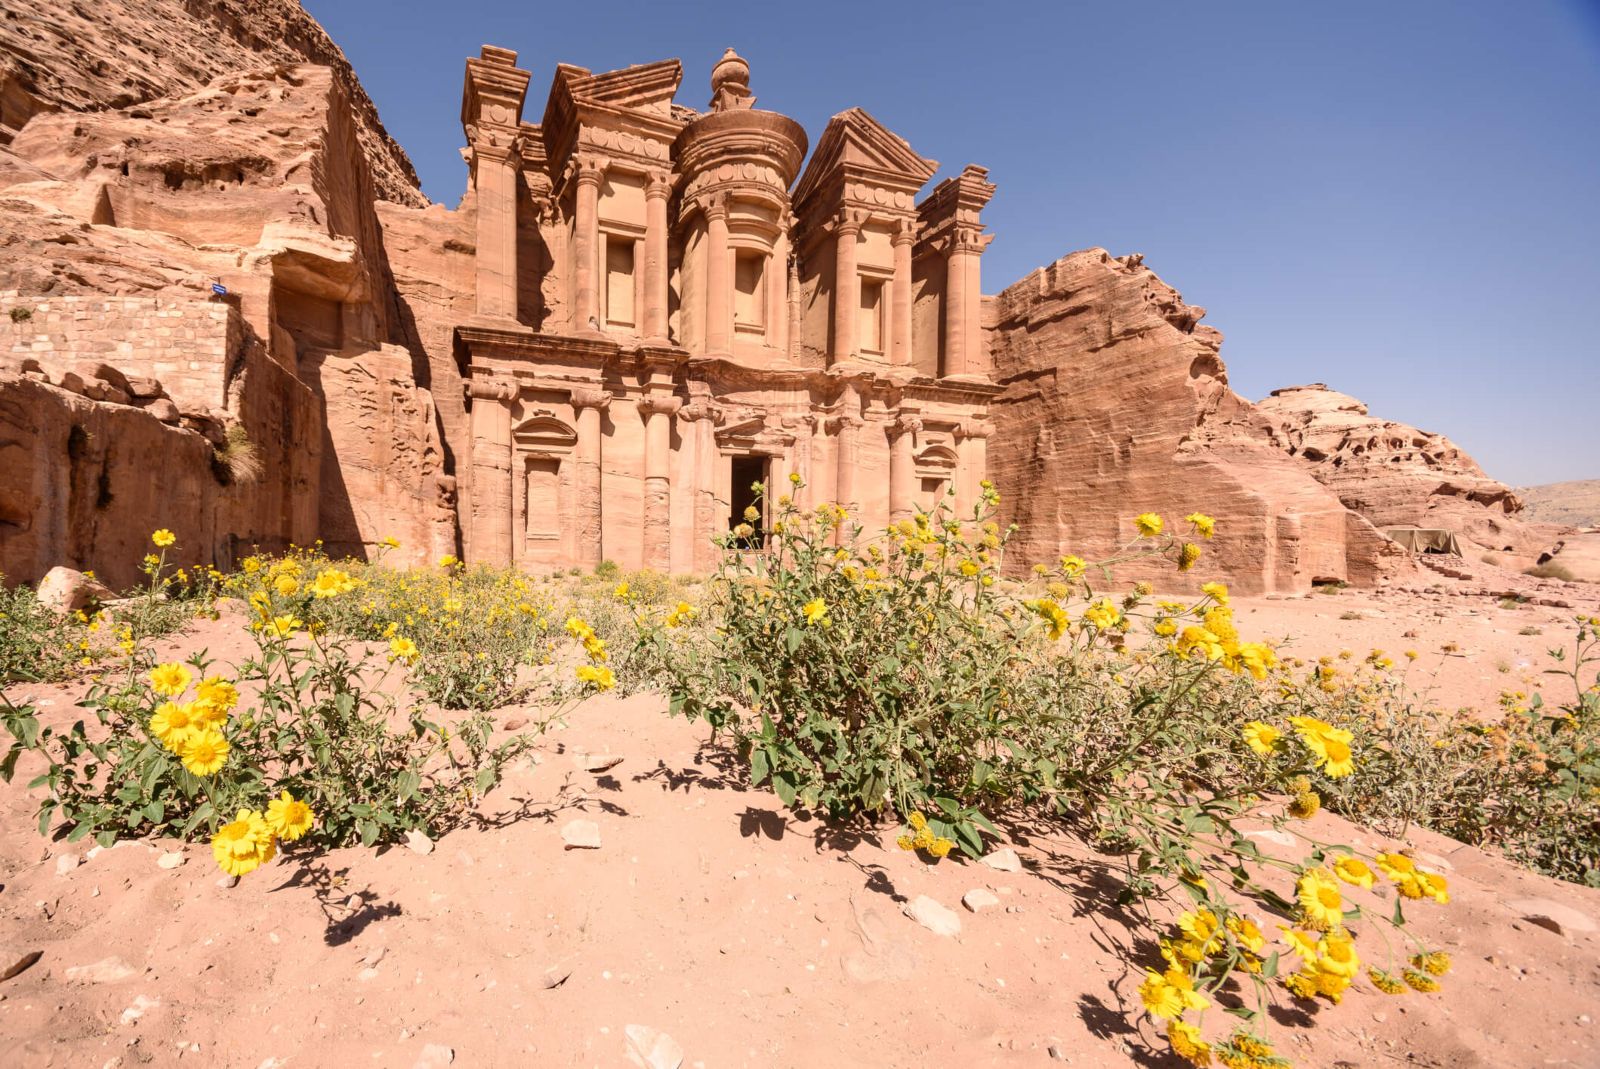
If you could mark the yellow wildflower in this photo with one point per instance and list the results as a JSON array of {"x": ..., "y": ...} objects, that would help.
[
  {"x": 1262, "y": 738},
  {"x": 331, "y": 582},
  {"x": 1203, "y": 525},
  {"x": 1103, "y": 615},
  {"x": 1187, "y": 1044},
  {"x": 1353, "y": 870},
  {"x": 282, "y": 626},
  {"x": 204, "y": 753},
  {"x": 1386, "y": 982},
  {"x": 1320, "y": 903},
  {"x": 1188, "y": 554},
  {"x": 288, "y": 817},
  {"x": 816, "y": 611},
  {"x": 163, "y": 538},
  {"x": 243, "y": 844},
  {"x": 598, "y": 676},
  {"x": 170, "y": 679},
  {"x": 1148, "y": 523},
  {"x": 1218, "y": 592},
  {"x": 1166, "y": 995},
  {"x": 403, "y": 649}
]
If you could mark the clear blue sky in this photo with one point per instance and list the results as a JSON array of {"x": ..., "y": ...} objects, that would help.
[{"x": 1401, "y": 199}]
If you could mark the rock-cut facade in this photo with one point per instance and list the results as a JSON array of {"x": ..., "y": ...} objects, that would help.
[{"x": 668, "y": 311}]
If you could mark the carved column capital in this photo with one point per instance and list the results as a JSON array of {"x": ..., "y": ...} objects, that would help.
[
  {"x": 649, "y": 406},
  {"x": 700, "y": 409},
  {"x": 840, "y": 423},
  {"x": 976, "y": 428},
  {"x": 906, "y": 425},
  {"x": 589, "y": 170},
  {"x": 849, "y": 222},
  {"x": 589, "y": 398},
  {"x": 714, "y": 205},
  {"x": 490, "y": 389},
  {"x": 658, "y": 185},
  {"x": 905, "y": 234}
]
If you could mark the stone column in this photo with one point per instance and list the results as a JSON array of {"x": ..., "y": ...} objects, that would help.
[
  {"x": 977, "y": 358},
  {"x": 719, "y": 278},
  {"x": 586, "y": 247},
  {"x": 847, "y": 454},
  {"x": 695, "y": 464},
  {"x": 777, "y": 277},
  {"x": 900, "y": 296},
  {"x": 497, "y": 159},
  {"x": 588, "y": 404},
  {"x": 957, "y": 275},
  {"x": 657, "y": 412},
  {"x": 902, "y": 467},
  {"x": 655, "y": 258},
  {"x": 846, "y": 286},
  {"x": 490, "y": 533},
  {"x": 972, "y": 463}
]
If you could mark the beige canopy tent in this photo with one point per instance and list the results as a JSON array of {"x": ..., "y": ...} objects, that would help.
[{"x": 1425, "y": 539}]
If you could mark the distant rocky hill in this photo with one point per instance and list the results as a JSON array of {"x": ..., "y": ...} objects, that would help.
[
  {"x": 1576, "y": 502},
  {"x": 119, "y": 53},
  {"x": 1394, "y": 474}
]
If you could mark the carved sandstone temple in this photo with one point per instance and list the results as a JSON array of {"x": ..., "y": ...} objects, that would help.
[{"x": 667, "y": 311}]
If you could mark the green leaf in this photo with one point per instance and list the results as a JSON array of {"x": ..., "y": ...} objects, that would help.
[
  {"x": 154, "y": 812},
  {"x": 406, "y": 785},
  {"x": 369, "y": 831},
  {"x": 1399, "y": 917},
  {"x": 783, "y": 785},
  {"x": 759, "y": 769}
]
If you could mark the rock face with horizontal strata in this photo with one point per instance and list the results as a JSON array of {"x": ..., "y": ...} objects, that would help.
[
  {"x": 1392, "y": 473},
  {"x": 1116, "y": 403}
]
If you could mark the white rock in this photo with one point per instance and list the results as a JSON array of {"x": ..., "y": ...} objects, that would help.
[
  {"x": 1005, "y": 860},
  {"x": 1563, "y": 920},
  {"x": 433, "y": 1056},
  {"x": 979, "y": 899},
  {"x": 140, "y": 1005},
  {"x": 171, "y": 859},
  {"x": 933, "y": 916},
  {"x": 104, "y": 971},
  {"x": 652, "y": 1049},
  {"x": 581, "y": 835},
  {"x": 272, "y": 1063},
  {"x": 597, "y": 762},
  {"x": 68, "y": 590},
  {"x": 228, "y": 881},
  {"x": 418, "y": 840},
  {"x": 66, "y": 863},
  {"x": 1272, "y": 835}
]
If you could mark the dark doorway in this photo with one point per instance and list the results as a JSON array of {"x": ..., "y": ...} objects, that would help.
[{"x": 746, "y": 472}]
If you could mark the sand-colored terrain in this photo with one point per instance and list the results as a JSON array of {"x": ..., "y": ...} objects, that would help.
[{"x": 747, "y": 936}]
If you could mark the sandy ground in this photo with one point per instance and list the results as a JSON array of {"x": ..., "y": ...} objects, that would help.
[{"x": 748, "y": 937}]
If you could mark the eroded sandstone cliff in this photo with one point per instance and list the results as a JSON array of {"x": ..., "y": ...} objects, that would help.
[
  {"x": 223, "y": 245},
  {"x": 111, "y": 54},
  {"x": 1116, "y": 403},
  {"x": 1392, "y": 473}
]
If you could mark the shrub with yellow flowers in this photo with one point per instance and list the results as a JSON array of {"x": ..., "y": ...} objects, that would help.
[
  {"x": 904, "y": 676},
  {"x": 298, "y": 741}
]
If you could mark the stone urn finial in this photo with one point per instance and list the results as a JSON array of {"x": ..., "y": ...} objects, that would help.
[{"x": 730, "y": 83}]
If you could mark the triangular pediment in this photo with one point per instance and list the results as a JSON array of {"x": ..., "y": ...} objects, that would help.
[
  {"x": 854, "y": 140},
  {"x": 647, "y": 87}
]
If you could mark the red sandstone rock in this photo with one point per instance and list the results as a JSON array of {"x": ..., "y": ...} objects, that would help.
[
  {"x": 114, "y": 54},
  {"x": 1394, "y": 474},
  {"x": 1117, "y": 403}
]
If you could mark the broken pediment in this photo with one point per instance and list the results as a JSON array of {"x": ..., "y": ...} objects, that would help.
[{"x": 855, "y": 145}]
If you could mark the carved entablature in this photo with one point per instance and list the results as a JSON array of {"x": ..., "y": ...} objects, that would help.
[
  {"x": 949, "y": 217},
  {"x": 860, "y": 167}
]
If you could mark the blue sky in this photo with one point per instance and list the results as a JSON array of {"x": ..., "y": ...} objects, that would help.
[{"x": 1399, "y": 199}]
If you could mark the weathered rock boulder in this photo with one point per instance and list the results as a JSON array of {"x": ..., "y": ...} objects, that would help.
[
  {"x": 117, "y": 54},
  {"x": 1394, "y": 474},
  {"x": 68, "y": 590},
  {"x": 1116, "y": 402}
]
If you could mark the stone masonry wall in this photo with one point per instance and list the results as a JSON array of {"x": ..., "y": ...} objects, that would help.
[{"x": 185, "y": 344}]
